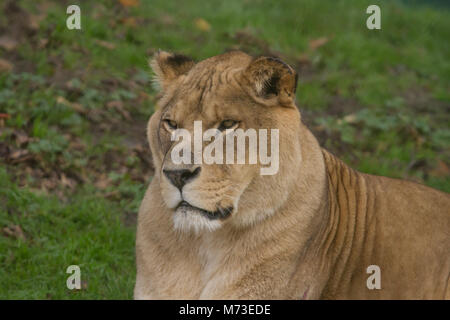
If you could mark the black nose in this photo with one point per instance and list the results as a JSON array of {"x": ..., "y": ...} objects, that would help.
[{"x": 180, "y": 177}]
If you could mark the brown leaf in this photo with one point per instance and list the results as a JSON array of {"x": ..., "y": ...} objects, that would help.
[
  {"x": 48, "y": 184},
  {"x": 350, "y": 118},
  {"x": 21, "y": 137},
  {"x": 317, "y": 43},
  {"x": 35, "y": 20},
  {"x": 112, "y": 195},
  {"x": 202, "y": 25},
  {"x": 67, "y": 182},
  {"x": 8, "y": 43},
  {"x": 103, "y": 182},
  {"x": 129, "y": 3},
  {"x": 19, "y": 155},
  {"x": 5, "y": 65},
  {"x": 77, "y": 144},
  {"x": 75, "y": 106},
  {"x": 118, "y": 105},
  {"x": 106, "y": 44},
  {"x": 14, "y": 231},
  {"x": 42, "y": 43},
  {"x": 304, "y": 59},
  {"x": 129, "y": 22}
]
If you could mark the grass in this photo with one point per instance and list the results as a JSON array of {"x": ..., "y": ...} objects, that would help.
[
  {"x": 74, "y": 160},
  {"x": 86, "y": 231}
]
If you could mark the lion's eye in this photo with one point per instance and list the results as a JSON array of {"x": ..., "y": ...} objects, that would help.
[
  {"x": 227, "y": 124},
  {"x": 170, "y": 124}
]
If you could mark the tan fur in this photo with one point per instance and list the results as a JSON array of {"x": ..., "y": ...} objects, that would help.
[{"x": 308, "y": 232}]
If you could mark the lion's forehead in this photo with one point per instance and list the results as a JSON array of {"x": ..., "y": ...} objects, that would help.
[
  {"x": 211, "y": 96},
  {"x": 210, "y": 80}
]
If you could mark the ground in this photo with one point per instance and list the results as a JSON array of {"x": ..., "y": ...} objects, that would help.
[{"x": 74, "y": 161}]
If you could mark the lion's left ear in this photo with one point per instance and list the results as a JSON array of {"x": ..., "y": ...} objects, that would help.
[
  {"x": 169, "y": 66},
  {"x": 272, "y": 80}
]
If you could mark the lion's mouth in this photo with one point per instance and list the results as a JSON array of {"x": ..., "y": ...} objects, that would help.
[{"x": 220, "y": 213}]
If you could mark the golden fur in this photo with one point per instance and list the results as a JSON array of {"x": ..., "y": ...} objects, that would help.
[{"x": 308, "y": 232}]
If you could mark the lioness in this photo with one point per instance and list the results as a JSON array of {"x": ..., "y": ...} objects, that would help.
[{"x": 310, "y": 231}]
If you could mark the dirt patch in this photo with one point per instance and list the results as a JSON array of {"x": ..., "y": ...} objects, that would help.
[
  {"x": 18, "y": 27},
  {"x": 130, "y": 219},
  {"x": 420, "y": 100}
]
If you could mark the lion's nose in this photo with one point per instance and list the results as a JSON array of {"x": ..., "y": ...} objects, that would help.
[{"x": 180, "y": 177}]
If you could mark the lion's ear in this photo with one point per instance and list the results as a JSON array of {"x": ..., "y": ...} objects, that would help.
[
  {"x": 169, "y": 66},
  {"x": 272, "y": 80}
]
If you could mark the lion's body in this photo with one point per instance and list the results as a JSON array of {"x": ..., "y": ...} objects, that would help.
[
  {"x": 313, "y": 240},
  {"x": 403, "y": 227}
]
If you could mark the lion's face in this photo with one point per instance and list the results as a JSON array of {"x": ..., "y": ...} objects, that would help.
[{"x": 220, "y": 97}]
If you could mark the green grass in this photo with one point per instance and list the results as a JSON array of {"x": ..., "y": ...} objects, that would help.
[
  {"x": 86, "y": 231},
  {"x": 377, "y": 99}
]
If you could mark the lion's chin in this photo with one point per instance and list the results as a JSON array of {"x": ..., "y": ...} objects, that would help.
[{"x": 191, "y": 219}]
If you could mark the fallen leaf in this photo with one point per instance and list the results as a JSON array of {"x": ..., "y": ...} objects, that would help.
[
  {"x": 62, "y": 100},
  {"x": 5, "y": 66},
  {"x": 75, "y": 106},
  {"x": 42, "y": 43},
  {"x": 202, "y": 25},
  {"x": 14, "y": 231},
  {"x": 8, "y": 43},
  {"x": 18, "y": 155},
  {"x": 304, "y": 59},
  {"x": 35, "y": 20},
  {"x": 129, "y": 22},
  {"x": 48, "y": 184},
  {"x": 129, "y": 3},
  {"x": 112, "y": 194},
  {"x": 350, "y": 118},
  {"x": 118, "y": 105},
  {"x": 77, "y": 144},
  {"x": 103, "y": 182},
  {"x": 21, "y": 138},
  {"x": 106, "y": 44},
  {"x": 67, "y": 182},
  {"x": 317, "y": 43}
]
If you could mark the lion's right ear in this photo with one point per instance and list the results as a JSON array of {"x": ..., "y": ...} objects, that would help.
[{"x": 169, "y": 66}]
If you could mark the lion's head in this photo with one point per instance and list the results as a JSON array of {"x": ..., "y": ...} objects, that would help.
[{"x": 228, "y": 92}]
